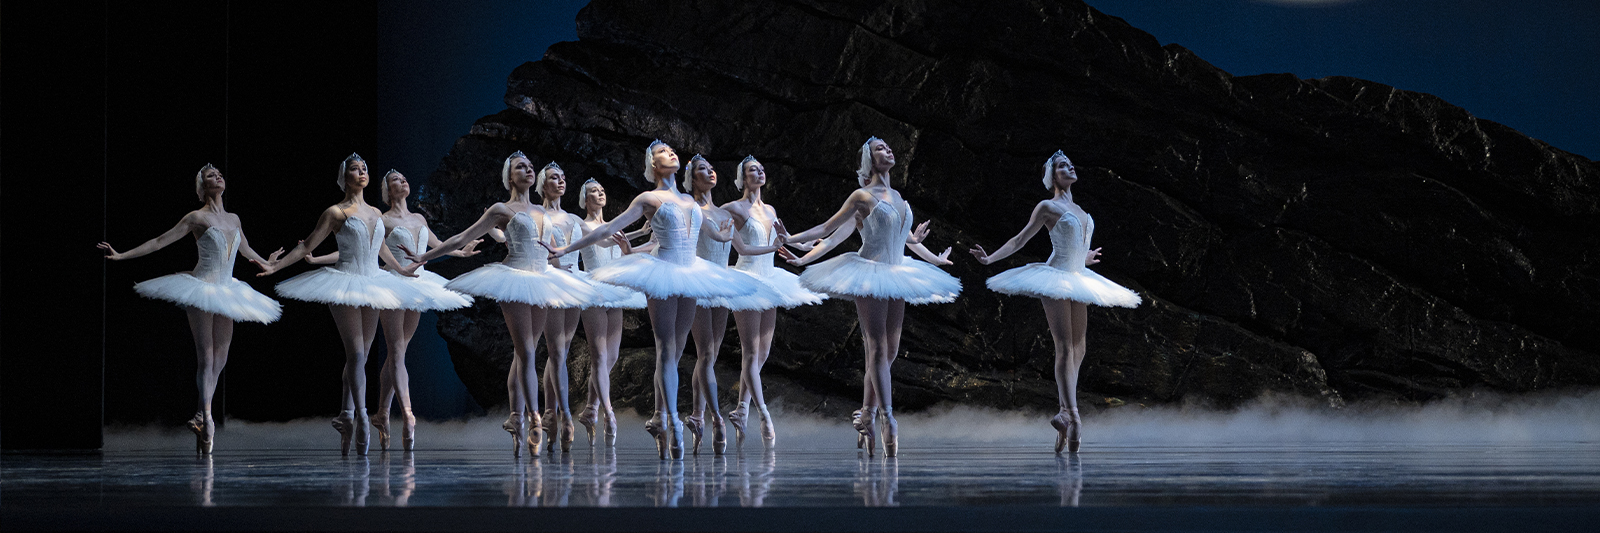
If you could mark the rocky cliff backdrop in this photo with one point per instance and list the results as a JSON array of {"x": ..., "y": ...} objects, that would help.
[{"x": 1333, "y": 238}]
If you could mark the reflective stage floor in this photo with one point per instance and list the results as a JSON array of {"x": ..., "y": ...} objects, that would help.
[{"x": 1351, "y": 486}]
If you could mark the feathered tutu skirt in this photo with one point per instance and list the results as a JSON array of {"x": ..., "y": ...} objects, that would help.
[
  {"x": 550, "y": 288},
  {"x": 613, "y": 296},
  {"x": 850, "y": 276},
  {"x": 659, "y": 279},
  {"x": 763, "y": 298},
  {"x": 785, "y": 286},
  {"x": 229, "y": 297},
  {"x": 328, "y": 285},
  {"x": 1040, "y": 280},
  {"x": 435, "y": 296}
]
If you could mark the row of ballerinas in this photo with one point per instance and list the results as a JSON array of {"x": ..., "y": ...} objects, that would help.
[{"x": 681, "y": 277}]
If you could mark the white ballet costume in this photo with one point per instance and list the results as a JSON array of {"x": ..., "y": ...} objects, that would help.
[
  {"x": 525, "y": 275},
  {"x": 210, "y": 287},
  {"x": 881, "y": 269},
  {"x": 717, "y": 254},
  {"x": 595, "y": 256},
  {"x": 431, "y": 285},
  {"x": 1063, "y": 276},
  {"x": 784, "y": 283},
  {"x": 675, "y": 270},
  {"x": 355, "y": 279},
  {"x": 607, "y": 295}
]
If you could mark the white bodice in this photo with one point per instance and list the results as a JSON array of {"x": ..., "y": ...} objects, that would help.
[
  {"x": 709, "y": 249},
  {"x": 358, "y": 247},
  {"x": 1069, "y": 241},
  {"x": 559, "y": 238},
  {"x": 522, "y": 241},
  {"x": 884, "y": 232},
  {"x": 217, "y": 251},
  {"x": 676, "y": 229},
  {"x": 596, "y": 255},
  {"x": 402, "y": 236},
  {"x": 756, "y": 234}
]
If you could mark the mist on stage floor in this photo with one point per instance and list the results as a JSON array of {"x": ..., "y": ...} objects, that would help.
[{"x": 1482, "y": 418}]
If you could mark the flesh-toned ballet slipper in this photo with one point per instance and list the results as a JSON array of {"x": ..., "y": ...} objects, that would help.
[
  {"x": 380, "y": 422},
  {"x": 1061, "y": 423},
  {"x": 1074, "y": 431},
  {"x": 202, "y": 445},
  {"x": 768, "y": 434},
  {"x": 513, "y": 425},
  {"x": 859, "y": 422},
  {"x": 568, "y": 433},
  {"x": 865, "y": 421},
  {"x": 535, "y": 426},
  {"x": 653, "y": 427},
  {"x": 588, "y": 418},
  {"x": 891, "y": 434},
  {"x": 677, "y": 437},
  {"x": 736, "y": 418},
  {"x": 548, "y": 425},
  {"x": 408, "y": 432},
  {"x": 363, "y": 433},
  {"x": 719, "y": 436},
  {"x": 696, "y": 429},
  {"x": 611, "y": 428},
  {"x": 345, "y": 425}
]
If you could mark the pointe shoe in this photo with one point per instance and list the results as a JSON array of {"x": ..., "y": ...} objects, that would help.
[
  {"x": 768, "y": 434},
  {"x": 587, "y": 418},
  {"x": 535, "y": 427},
  {"x": 677, "y": 437},
  {"x": 380, "y": 422},
  {"x": 653, "y": 427},
  {"x": 611, "y": 428},
  {"x": 719, "y": 436},
  {"x": 891, "y": 434},
  {"x": 696, "y": 429},
  {"x": 864, "y": 420},
  {"x": 1061, "y": 423},
  {"x": 737, "y": 419},
  {"x": 549, "y": 426},
  {"x": 345, "y": 425},
  {"x": 408, "y": 432},
  {"x": 198, "y": 424},
  {"x": 1074, "y": 430},
  {"x": 513, "y": 425},
  {"x": 568, "y": 433},
  {"x": 362, "y": 433}
]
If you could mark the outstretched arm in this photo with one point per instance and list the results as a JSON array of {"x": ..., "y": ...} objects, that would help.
[
  {"x": 250, "y": 253},
  {"x": 494, "y": 216},
  {"x": 852, "y": 206},
  {"x": 635, "y": 210},
  {"x": 1041, "y": 214},
  {"x": 409, "y": 271},
  {"x": 185, "y": 225},
  {"x": 330, "y": 218},
  {"x": 468, "y": 250},
  {"x": 827, "y": 245}
]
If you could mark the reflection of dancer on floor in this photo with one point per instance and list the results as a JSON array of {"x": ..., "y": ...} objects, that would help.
[
  {"x": 209, "y": 295},
  {"x": 672, "y": 280},
  {"x": 355, "y": 289},
  {"x": 602, "y": 324},
  {"x": 407, "y": 230},
  {"x": 880, "y": 278},
  {"x": 526, "y": 286},
  {"x": 758, "y": 226},
  {"x": 1062, "y": 284},
  {"x": 559, "y": 228},
  {"x": 711, "y": 315}
]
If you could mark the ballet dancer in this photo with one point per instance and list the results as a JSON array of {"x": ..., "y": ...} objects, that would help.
[
  {"x": 880, "y": 278},
  {"x": 406, "y": 230},
  {"x": 355, "y": 289},
  {"x": 526, "y": 286},
  {"x": 672, "y": 280},
  {"x": 209, "y": 295},
  {"x": 602, "y": 324},
  {"x": 1063, "y": 283},
  {"x": 758, "y": 226},
  {"x": 711, "y": 315}
]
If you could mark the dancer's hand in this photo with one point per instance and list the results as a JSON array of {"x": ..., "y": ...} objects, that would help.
[
  {"x": 783, "y": 233},
  {"x": 919, "y": 234},
  {"x": 410, "y": 255},
  {"x": 555, "y": 253},
  {"x": 410, "y": 270},
  {"x": 273, "y": 257},
  {"x": 978, "y": 252},
  {"x": 788, "y": 256},
  {"x": 726, "y": 225},
  {"x": 110, "y": 253},
  {"x": 805, "y": 246},
  {"x": 466, "y": 251},
  {"x": 1092, "y": 257},
  {"x": 622, "y": 240},
  {"x": 267, "y": 268}
]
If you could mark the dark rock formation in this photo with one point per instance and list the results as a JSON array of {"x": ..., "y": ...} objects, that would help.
[{"x": 1333, "y": 238}]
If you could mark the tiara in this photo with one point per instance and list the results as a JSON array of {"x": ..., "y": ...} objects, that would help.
[
  {"x": 355, "y": 157},
  {"x": 391, "y": 171},
  {"x": 550, "y": 166},
  {"x": 516, "y": 154}
]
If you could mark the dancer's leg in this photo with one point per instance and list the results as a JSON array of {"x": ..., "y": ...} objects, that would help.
[
  {"x": 1058, "y": 315},
  {"x": 708, "y": 328},
  {"x": 526, "y": 324},
  {"x": 561, "y": 325},
  {"x": 201, "y": 327},
  {"x": 357, "y": 326}
]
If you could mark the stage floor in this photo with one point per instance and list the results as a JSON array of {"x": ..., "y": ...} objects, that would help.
[{"x": 1411, "y": 486}]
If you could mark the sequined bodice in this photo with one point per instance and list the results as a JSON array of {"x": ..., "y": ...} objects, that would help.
[
  {"x": 757, "y": 234},
  {"x": 1069, "y": 241},
  {"x": 709, "y": 249},
  {"x": 217, "y": 251},
  {"x": 675, "y": 229},
  {"x": 558, "y": 237},
  {"x": 358, "y": 246},
  {"x": 596, "y": 256},
  {"x": 522, "y": 241},
  {"x": 884, "y": 232},
  {"x": 402, "y": 236}
]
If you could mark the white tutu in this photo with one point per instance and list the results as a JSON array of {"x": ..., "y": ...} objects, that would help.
[
  {"x": 227, "y": 297},
  {"x": 379, "y": 290},
  {"x": 787, "y": 287},
  {"x": 613, "y": 296},
  {"x": 435, "y": 296},
  {"x": 850, "y": 276},
  {"x": 659, "y": 279},
  {"x": 1040, "y": 280},
  {"x": 548, "y": 287},
  {"x": 764, "y": 297}
]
